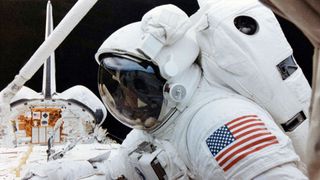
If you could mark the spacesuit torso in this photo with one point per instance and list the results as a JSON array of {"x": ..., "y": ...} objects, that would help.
[{"x": 198, "y": 143}]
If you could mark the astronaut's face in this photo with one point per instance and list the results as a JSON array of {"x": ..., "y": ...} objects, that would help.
[{"x": 131, "y": 90}]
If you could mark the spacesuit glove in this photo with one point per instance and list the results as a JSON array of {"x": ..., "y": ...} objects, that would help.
[
  {"x": 60, "y": 169},
  {"x": 99, "y": 163}
]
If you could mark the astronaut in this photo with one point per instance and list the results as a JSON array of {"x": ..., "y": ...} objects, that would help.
[{"x": 184, "y": 126}]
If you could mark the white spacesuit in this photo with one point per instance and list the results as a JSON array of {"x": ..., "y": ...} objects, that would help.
[
  {"x": 184, "y": 126},
  {"x": 243, "y": 47}
]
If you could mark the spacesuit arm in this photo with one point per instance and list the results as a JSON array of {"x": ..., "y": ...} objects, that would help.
[
  {"x": 241, "y": 141},
  {"x": 113, "y": 164},
  {"x": 60, "y": 169},
  {"x": 287, "y": 171},
  {"x": 139, "y": 157}
]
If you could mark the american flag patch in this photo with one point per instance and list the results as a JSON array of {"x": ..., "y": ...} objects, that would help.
[{"x": 237, "y": 139}]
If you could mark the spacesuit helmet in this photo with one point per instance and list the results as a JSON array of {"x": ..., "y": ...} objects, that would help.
[{"x": 140, "y": 76}]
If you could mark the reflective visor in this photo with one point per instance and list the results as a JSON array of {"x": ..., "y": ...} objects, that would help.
[{"x": 131, "y": 90}]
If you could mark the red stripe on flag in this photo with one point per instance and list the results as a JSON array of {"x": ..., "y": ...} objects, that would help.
[
  {"x": 243, "y": 122},
  {"x": 248, "y": 132},
  {"x": 247, "y": 147},
  {"x": 239, "y": 118},
  {"x": 248, "y": 126},
  {"x": 246, "y": 154},
  {"x": 241, "y": 142}
]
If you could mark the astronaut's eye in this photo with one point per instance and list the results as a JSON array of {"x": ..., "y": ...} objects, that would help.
[{"x": 246, "y": 25}]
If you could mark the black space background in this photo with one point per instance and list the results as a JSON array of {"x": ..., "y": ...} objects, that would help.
[{"x": 22, "y": 32}]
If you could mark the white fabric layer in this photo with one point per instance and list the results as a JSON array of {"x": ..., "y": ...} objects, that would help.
[
  {"x": 248, "y": 63},
  {"x": 167, "y": 23}
]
